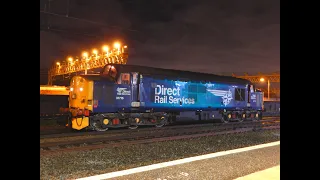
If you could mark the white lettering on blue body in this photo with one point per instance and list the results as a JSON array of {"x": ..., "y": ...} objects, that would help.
[{"x": 164, "y": 95}]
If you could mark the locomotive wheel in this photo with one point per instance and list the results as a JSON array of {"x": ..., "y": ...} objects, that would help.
[
  {"x": 159, "y": 125},
  {"x": 242, "y": 117},
  {"x": 135, "y": 120},
  {"x": 133, "y": 127},
  {"x": 99, "y": 127},
  {"x": 162, "y": 122},
  {"x": 69, "y": 123},
  {"x": 224, "y": 118},
  {"x": 256, "y": 117},
  {"x": 248, "y": 117},
  {"x": 260, "y": 115},
  {"x": 99, "y": 123}
]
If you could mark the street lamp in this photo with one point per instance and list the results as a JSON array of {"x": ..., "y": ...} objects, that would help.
[
  {"x": 268, "y": 82},
  {"x": 70, "y": 59},
  {"x": 117, "y": 46},
  {"x": 106, "y": 49},
  {"x": 85, "y": 55},
  {"x": 95, "y": 51},
  {"x": 58, "y": 64}
]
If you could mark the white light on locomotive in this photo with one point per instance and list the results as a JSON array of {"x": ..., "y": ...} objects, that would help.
[{"x": 135, "y": 104}]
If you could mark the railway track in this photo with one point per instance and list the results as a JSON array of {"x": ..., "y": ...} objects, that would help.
[
  {"x": 63, "y": 132},
  {"x": 59, "y": 116},
  {"x": 52, "y": 116},
  {"x": 154, "y": 136}
]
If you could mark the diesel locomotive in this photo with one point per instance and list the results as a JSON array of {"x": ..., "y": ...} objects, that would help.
[{"x": 130, "y": 95}]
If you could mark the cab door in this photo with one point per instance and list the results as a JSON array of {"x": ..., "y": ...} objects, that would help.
[{"x": 123, "y": 91}]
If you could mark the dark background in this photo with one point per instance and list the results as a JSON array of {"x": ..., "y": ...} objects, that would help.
[{"x": 221, "y": 36}]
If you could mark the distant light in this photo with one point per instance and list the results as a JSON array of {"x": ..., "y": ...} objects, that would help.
[
  {"x": 81, "y": 89},
  {"x": 58, "y": 63},
  {"x": 105, "y": 48},
  {"x": 262, "y": 80},
  {"x": 125, "y": 46},
  {"x": 94, "y": 51},
  {"x": 71, "y": 89},
  {"x": 116, "y": 45},
  {"x": 70, "y": 59},
  {"x": 85, "y": 54}
]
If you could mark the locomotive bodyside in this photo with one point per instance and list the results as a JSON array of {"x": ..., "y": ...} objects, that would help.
[
  {"x": 166, "y": 94},
  {"x": 125, "y": 95},
  {"x": 111, "y": 97}
]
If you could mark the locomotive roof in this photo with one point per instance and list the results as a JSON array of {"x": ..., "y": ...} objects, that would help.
[
  {"x": 93, "y": 77},
  {"x": 177, "y": 74}
]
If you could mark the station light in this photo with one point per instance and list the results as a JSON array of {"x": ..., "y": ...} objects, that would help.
[
  {"x": 85, "y": 54},
  {"x": 83, "y": 61},
  {"x": 268, "y": 83},
  {"x": 117, "y": 45},
  {"x": 105, "y": 48}
]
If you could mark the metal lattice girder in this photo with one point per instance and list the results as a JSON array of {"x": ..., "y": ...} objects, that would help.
[
  {"x": 272, "y": 90},
  {"x": 256, "y": 78},
  {"x": 91, "y": 62}
]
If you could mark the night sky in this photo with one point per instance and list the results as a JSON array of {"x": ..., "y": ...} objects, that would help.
[{"x": 198, "y": 35}]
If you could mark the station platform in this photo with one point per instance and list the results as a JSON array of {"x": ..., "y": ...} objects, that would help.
[
  {"x": 54, "y": 90},
  {"x": 255, "y": 162},
  {"x": 267, "y": 174}
]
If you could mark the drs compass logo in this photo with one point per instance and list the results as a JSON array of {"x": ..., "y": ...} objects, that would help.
[{"x": 225, "y": 95}]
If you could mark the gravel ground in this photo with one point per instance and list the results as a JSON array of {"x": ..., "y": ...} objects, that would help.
[
  {"x": 63, "y": 139},
  {"x": 113, "y": 133},
  {"x": 87, "y": 163},
  {"x": 220, "y": 168},
  {"x": 48, "y": 122},
  {"x": 116, "y": 133},
  {"x": 107, "y": 134}
]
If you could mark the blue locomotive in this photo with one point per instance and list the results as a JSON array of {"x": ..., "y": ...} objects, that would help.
[{"x": 130, "y": 95}]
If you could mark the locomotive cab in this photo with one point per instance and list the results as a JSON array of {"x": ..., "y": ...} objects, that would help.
[
  {"x": 80, "y": 101},
  {"x": 80, "y": 96},
  {"x": 94, "y": 96}
]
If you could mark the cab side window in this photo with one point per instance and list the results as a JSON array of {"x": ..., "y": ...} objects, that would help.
[
  {"x": 110, "y": 71},
  {"x": 124, "y": 78}
]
